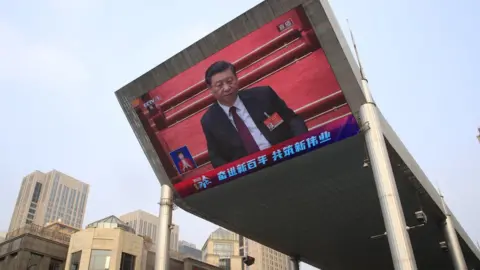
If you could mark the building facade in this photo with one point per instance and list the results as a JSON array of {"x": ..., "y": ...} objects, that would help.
[
  {"x": 36, "y": 247},
  {"x": 48, "y": 197},
  {"x": 223, "y": 250},
  {"x": 112, "y": 244},
  {"x": 3, "y": 235},
  {"x": 105, "y": 244},
  {"x": 146, "y": 224},
  {"x": 189, "y": 250},
  {"x": 174, "y": 234},
  {"x": 265, "y": 257}
]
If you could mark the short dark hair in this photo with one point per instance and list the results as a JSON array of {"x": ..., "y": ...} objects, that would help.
[
  {"x": 218, "y": 67},
  {"x": 180, "y": 153}
]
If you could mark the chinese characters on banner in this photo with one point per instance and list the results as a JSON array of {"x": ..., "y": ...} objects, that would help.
[
  {"x": 277, "y": 155},
  {"x": 330, "y": 133}
]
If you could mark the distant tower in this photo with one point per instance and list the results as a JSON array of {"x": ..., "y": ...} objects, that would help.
[
  {"x": 146, "y": 224},
  {"x": 478, "y": 136},
  {"x": 48, "y": 197}
]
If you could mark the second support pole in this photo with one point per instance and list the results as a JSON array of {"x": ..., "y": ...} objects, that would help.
[
  {"x": 454, "y": 247},
  {"x": 295, "y": 263},
  {"x": 162, "y": 258},
  {"x": 392, "y": 211}
]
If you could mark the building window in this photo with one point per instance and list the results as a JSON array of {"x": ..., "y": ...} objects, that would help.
[
  {"x": 224, "y": 250},
  {"x": 76, "y": 201},
  {"x": 154, "y": 238},
  {"x": 224, "y": 264},
  {"x": 34, "y": 261},
  {"x": 36, "y": 192},
  {"x": 75, "y": 261},
  {"x": 100, "y": 260},
  {"x": 127, "y": 262},
  {"x": 55, "y": 265}
]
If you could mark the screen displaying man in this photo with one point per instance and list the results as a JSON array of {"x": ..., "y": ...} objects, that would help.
[{"x": 244, "y": 122}]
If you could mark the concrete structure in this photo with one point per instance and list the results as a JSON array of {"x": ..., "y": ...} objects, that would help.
[
  {"x": 3, "y": 235},
  {"x": 325, "y": 200},
  {"x": 108, "y": 242},
  {"x": 49, "y": 197},
  {"x": 174, "y": 233},
  {"x": 36, "y": 247},
  {"x": 189, "y": 250},
  {"x": 179, "y": 262},
  {"x": 265, "y": 257},
  {"x": 146, "y": 224},
  {"x": 222, "y": 249},
  {"x": 111, "y": 244}
]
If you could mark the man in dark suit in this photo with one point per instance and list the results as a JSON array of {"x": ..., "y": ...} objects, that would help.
[{"x": 244, "y": 122}]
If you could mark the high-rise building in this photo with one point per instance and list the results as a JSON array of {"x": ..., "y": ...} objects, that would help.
[
  {"x": 146, "y": 224},
  {"x": 174, "y": 233},
  {"x": 265, "y": 257},
  {"x": 3, "y": 235},
  {"x": 47, "y": 197},
  {"x": 222, "y": 249},
  {"x": 189, "y": 250}
]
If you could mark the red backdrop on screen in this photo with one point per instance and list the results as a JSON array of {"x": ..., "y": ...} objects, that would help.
[{"x": 283, "y": 54}]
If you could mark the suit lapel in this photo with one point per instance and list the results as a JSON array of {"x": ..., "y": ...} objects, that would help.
[{"x": 254, "y": 108}]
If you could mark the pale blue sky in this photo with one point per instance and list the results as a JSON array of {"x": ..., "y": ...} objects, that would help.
[{"x": 62, "y": 60}]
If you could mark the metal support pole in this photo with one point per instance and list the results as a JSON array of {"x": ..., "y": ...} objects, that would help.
[
  {"x": 452, "y": 240},
  {"x": 295, "y": 263},
  {"x": 162, "y": 258},
  {"x": 392, "y": 212},
  {"x": 245, "y": 250},
  {"x": 393, "y": 217}
]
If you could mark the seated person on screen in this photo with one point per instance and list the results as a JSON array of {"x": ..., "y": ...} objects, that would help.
[
  {"x": 184, "y": 163},
  {"x": 242, "y": 123}
]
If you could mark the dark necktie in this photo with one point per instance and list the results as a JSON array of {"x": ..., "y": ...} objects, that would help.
[{"x": 247, "y": 138}]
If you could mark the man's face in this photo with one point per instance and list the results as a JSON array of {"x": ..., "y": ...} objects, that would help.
[
  {"x": 180, "y": 156},
  {"x": 224, "y": 87}
]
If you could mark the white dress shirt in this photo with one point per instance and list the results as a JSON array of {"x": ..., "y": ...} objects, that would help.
[{"x": 247, "y": 119}]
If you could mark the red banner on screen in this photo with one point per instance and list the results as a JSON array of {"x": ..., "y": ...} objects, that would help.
[
  {"x": 334, "y": 131},
  {"x": 283, "y": 55}
]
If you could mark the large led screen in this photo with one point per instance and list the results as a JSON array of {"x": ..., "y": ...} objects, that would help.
[{"x": 288, "y": 103}]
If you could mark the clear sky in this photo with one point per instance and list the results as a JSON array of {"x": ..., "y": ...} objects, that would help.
[{"x": 62, "y": 60}]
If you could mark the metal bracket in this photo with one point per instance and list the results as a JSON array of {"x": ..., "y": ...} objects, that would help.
[
  {"x": 416, "y": 226},
  {"x": 167, "y": 202},
  {"x": 385, "y": 233},
  {"x": 364, "y": 127},
  {"x": 378, "y": 236}
]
